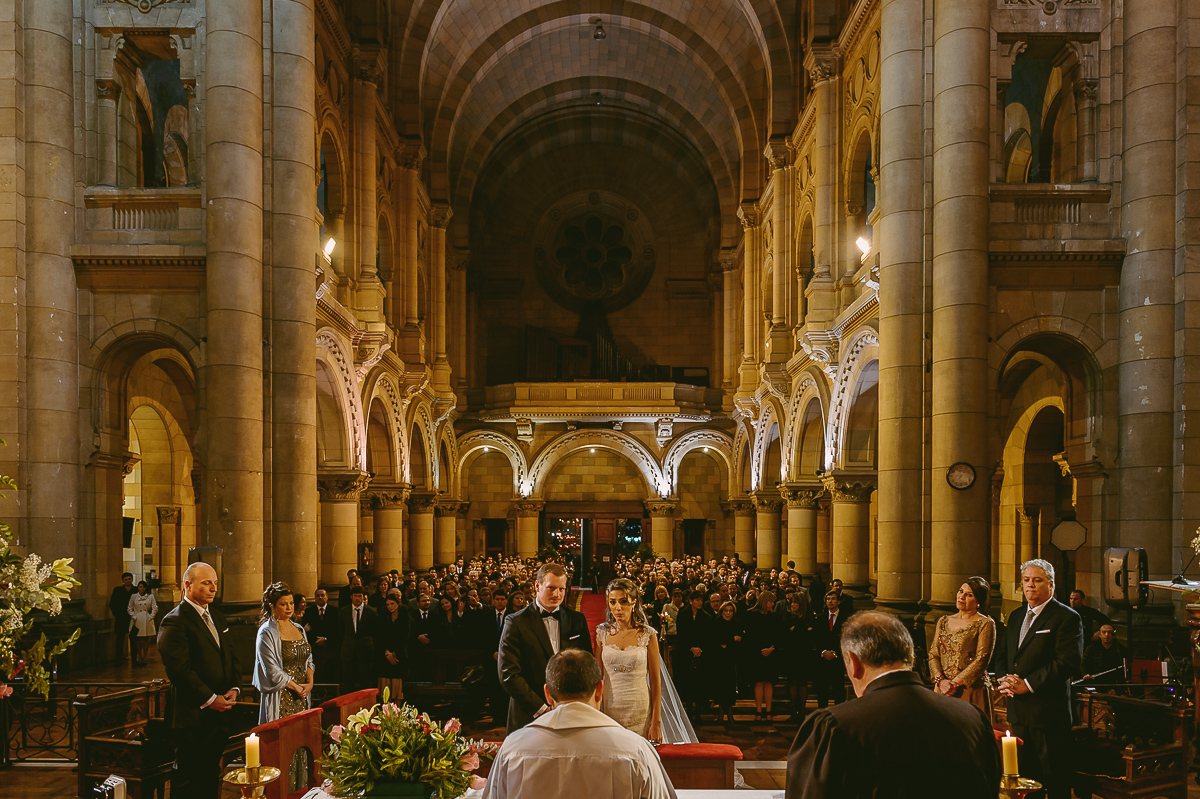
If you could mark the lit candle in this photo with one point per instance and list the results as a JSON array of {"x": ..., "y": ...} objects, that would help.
[
  {"x": 1008, "y": 748},
  {"x": 252, "y": 751}
]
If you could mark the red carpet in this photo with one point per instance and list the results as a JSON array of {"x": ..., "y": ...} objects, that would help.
[{"x": 592, "y": 606}]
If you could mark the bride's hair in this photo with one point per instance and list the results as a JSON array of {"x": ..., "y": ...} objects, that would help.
[{"x": 637, "y": 619}]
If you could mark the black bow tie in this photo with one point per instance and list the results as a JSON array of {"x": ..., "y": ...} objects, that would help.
[{"x": 551, "y": 614}]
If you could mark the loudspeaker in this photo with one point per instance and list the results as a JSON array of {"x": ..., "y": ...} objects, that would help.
[{"x": 1124, "y": 570}]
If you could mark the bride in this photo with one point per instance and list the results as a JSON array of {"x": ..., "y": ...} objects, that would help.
[{"x": 635, "y": 678}]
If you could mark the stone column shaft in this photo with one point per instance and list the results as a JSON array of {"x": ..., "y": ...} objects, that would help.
[
  {"x": 420, "y": 531},
  {"x": 1146, "y": 344},
  {"x": 779, "y": 156},
  {"x": 802, "y": 524},
  {"x": 751, "y": 300},
  {"x": 528, "y": 513},
  {"x": 851, "y": 530},
  {"x": 1028, "y": 517},
  {"x": 439, "y": 218},
  {"x": 458, "y": 322},
  {"x": 961, "y": 75},
  {"x": 743, "y": 528},
  {"x": 901, "y": 300},
  {"x": 410, "y": 192},
  {"x": 169, "y": 553},
  {"x": 729, "y": 339},
  {"x": 368, "y": 71},
  {"x": 107, "y": 94},
  {"x": 767, "y": 507},
  {"x": 51, "y": 322},
  {"x": 445, "y": 531},
  {"x": 387, "y": 505},
  {"x": 294, "y": 245},
  {"x": 340, "y": 493},
  {"x": 662, "y": 526}
]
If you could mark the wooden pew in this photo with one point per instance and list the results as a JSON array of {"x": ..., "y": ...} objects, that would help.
[
  {"x": 442, "y": 683},
  {"x": 1126, "y": 747},
  {"x": 340, "y": 708},
  {"x": 292, "y": 744},
  {"x": 124, "y": 733}
]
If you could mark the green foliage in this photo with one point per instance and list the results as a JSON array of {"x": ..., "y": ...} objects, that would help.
[
  {"x": 395, "y": 743},
  {"x": 27, "y": 584},
  {"x": 645, "y": 552},
  {"x": 548, "y": 552}
]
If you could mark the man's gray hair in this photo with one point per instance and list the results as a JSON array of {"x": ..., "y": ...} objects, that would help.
[
  {"x": 1038, "y": 563},
  {"x": 877, "y": 639}
]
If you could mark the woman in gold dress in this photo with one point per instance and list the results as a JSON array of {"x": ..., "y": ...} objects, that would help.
[{"x": 962, "y": 646}]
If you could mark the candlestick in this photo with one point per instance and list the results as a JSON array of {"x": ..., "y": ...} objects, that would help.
[
  {"x": 1013, "y": 786},
  {"x": 1008, "y": 748},
  {"x": 252, "y": 782},
  {"x": 252, "y": 760}
]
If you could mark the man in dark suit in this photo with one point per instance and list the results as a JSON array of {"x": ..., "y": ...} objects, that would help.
[
  {"x": 1036, "y": 658},
  {"x": 118, "y": 603},
  {"x": 204, "y": 675},
  {"x": 352, "y": 578},
  {"x": 829, "y": 678},
  {"x": 357, "y": 624},
  {"x": 899, "y": 739},
  {"x": 491, "y": 625},
  {"x": 692, "y": 642},
  {"x": 533, "y": 635},
  {"x": 322, "y": 629}
]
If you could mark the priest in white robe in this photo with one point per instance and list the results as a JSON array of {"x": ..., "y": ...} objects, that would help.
[{"x": 574, "y": 748}]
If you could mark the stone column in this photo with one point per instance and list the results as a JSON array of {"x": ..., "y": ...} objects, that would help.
[
  {"x": 1087, "y": 92},
  {"x": 779, "y": 156},
  {"x": 529, "y": 511},
  {"x": 824, "y": 533},
  {"x": 1027, "y": 520},
  {"x": 340, "y": 492},
  {"x": 662, "y": 513},
  {"x": 410, "y": 346},
  {"x": 368, "y": 74},
  {"x": 52, "y": 331},
  {"x": 802, "y": 500},
  {"x": 445, "y": 531},
  {"x": 751, "y": 314},
  {"x": 420, "y": 531},
  {"x": 729, "y": 339},
  {"x": 767, "y": 508},
  {"x": 961, "y": 76},
  {"x": 1147, "y": 337},
  {"x": 743, "y": 528},
  {"x": 169, "y": 575},
  {"x": 901, "y": 248},
  {"x": 294, "y": 246},
  {"x": 387, "y": 506},
  {"x": 851, "y": 528},
  {"x": 458, "y": 320},
  {"x": 464, "y": 545},
  {"x": 108, "y": 92},
  {"x": 439, "y": 218},
  {"x": 821, "y": 65},
  {"x": 233, "y": 427}
]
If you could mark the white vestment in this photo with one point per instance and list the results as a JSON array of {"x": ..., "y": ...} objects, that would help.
[{"x": 575, "y": 750}]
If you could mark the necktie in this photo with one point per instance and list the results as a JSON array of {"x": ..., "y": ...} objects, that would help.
[
  {"x": 424, "y": 615},
  {"x": 321, "y": 613},
  {"x": 1029, "y": 617},
  {"x": 831, "y": 618},
  {"x": 357, "y": 614},
  {"x": 499, "y": 621},
  {"x": 212, "y": 628}
]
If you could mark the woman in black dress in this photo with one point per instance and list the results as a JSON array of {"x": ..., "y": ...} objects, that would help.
[
  {"x": 764, "y": 634},
  {"x": 797, "y": 635},
  {"x": 727, "y": 635},
  {"x": 392, "y": 644},
  {"x": 379, "y": 598}
]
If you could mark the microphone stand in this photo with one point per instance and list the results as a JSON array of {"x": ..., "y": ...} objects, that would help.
[{"x": 1179, "y": 579}]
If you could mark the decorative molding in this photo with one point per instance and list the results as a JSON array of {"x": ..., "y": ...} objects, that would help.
[
  {"x": 528, "y": 507},
  {"x": 421, "y": 503},
  {"x": 821, "y": 63},
  {"x": 168, "y": 514},
  {"x": 801, "y": 495},
  {"x": 779, "y": 154},
  {"x": 621, "y": 443},
  {"x": 749, "y": 215},
  {"x": 847, "y": 374},
  {"x": 146, "y": 6},
  {"x": 439, "y": 216},
  {"x": 660, "y": 508},
  {"x": 712, "y": 440},
  {"x": 767, "y": 502},
  {"x": 351, "y": 400},
  {"x": 664, "y": 430},
  {"x": 387, "y": 497},
  {"x": 844, "y": 489},
  {"x": 485, "y": 439},
  {"x": 342, "y": 486},
  {"x": 742, "y": 507}
]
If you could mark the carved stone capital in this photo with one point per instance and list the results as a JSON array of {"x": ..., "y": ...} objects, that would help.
[
  {"x": 108, "y": 90},
  {"x": 779, "y": 154},
  {"x": 742, "y": 508},
  {"x": 412, "y": 156},
  {"x": 168, "y": 515},
  {"x": 439, "y": 216},
  {"x": 821, "y": 64},
  {"x": 767, "y": 501},
  {"x": 342, "y": 486},
  {"x": 388, "y": 497},
  {"x": 369, "y": 64},
  {"x": 728, "y": 261},
  {"x": 801, "y": 495},
  {"x": 421, "y": 503},
  {"x": 749, "y": 216},
  {"x": 1028, "y": 514},
  {"x": 849, "y": 489},
  {"x": 449, "y": 507},
  {"x": 660, "y": 508},
  {"x": 528, "y": 507}
]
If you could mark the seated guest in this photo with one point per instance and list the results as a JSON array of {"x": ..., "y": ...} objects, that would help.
[
  {"x": 1105, "y": 660},
  {"x": 574, "y": 744},
  {"x": 899, "y": 739}
]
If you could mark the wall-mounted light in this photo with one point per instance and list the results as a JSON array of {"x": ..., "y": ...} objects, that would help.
[
  {"x": 706, "y": 449},
  {"x": 487, "y": 449},
  {"x": 329, "y": 245},
  {"x": 592, "y": 450},
  {"x": 863, "y": 245},
  {"x": 599, "y": 33}
]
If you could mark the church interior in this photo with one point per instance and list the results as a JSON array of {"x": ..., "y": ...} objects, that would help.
[{"x": 899, "y": 291}]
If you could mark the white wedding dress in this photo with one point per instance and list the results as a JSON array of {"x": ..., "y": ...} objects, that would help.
[{"x": 627, "y": 689}]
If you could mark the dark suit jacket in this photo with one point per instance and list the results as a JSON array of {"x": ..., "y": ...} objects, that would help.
[
  {"x": 899, "y": 739},
  {"x": 525, "y": 650},
  {"x": 195, "y": 665},
  {"x": 1048, "y": 660},
  {"x": 358, "y": 647},
  {"x": 823, "y": 638},
  {"x": 325, "y": 626}
]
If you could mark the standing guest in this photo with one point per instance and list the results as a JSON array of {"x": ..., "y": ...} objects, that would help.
[
  {"x": 726, "y": 639},
  {"x": 204, "y": 677},
  {"x": 421, "y": 634},
  {"x": 301, "y": 607},
  {"x": 764, "y": 634},
  {"x": 1091, "y": 618},
  {"x": 517, "y": 600},
  {"x": 1105, "y": 660},
  {"x": 446, "y": 625},
  {"x": 1039, "y": 655},
  {"x": 142, "y": 610},
  {"x": 531, "y": 637},
  {"x": 283, "y": 664},
  {"x": 118, "y": 605},
  {"x": 573, "y": 747},
  {"x": 344, "y": 593},
  {"x": 797, "y": 635},
  {"x": 694, "y": 640},
  {"x": 845, "y": 601},
  {"x": 829, "y": 678},
  {"x": 489, "y": 639},
  {"x": 881, "y": 745},
  {"x": 376, "y": 601},
  {"x": 713, "y": 608},
  {"x": 357, "y": 622},
  {"x": 321, "y": 627},
  {"x": 962, "y": 647},
  {"x": 392, "y": 645}
]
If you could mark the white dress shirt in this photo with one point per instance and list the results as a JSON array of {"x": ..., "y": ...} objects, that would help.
[{"x": 551, "y": 624}]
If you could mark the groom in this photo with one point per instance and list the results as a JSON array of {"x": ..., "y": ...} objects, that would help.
[{"x": 533, "y": 635}]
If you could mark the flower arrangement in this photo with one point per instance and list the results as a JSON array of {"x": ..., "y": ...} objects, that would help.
[
  {"x": 28, "y": 584},
  {"x": 389, "y": 743}
]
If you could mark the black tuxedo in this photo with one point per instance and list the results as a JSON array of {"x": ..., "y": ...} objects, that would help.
[
  {"x": 829, "y": 676},
  {"x": 898, "y": 740},
  {"x": 357, "y": 647},
  {"x": 327, "y": 656},
  {"x": 525, "y": 650},
  {"x": 198, "y": 667},
  {"x": 1048, "y": 659}
]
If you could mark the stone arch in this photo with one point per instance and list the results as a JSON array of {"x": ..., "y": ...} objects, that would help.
[
  {"x": 423, "y": 446},
  {"x": 742, "y": 477},
  {"x": 809, "y": 389},
  {"x": 334, "y": 152},
  {"x": 447, "y": 457},
  {"x": 120, "y": 350},
  {"x": 703, "y": 439},
  {"x": 620, "y": 443},
  {"x": 383, "y": 388},
  {"x": 767, "y": 433},
  {"x": 861, "y": 350},
  {"x": 478, "y": 441},
  {"x": 332, "y": 355}
]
